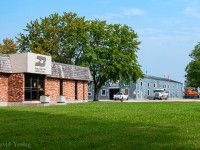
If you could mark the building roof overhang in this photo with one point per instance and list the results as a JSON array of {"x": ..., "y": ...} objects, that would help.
[{"x": 58, "y": 70}]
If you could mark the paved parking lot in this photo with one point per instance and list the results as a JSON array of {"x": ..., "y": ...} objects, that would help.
[{"x": 169, "y": 100}]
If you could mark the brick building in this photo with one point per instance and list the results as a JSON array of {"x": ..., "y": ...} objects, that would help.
[{"x": 27, "y": 76}]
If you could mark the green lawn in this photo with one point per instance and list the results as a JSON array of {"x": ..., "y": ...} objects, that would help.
[{"x": 102, "y": 125}]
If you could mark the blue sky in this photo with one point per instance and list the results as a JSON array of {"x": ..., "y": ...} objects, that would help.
[{"x": 168, "y": 29}]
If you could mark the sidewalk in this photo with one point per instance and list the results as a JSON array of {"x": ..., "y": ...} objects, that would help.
[{"x": 38, "y": 103}]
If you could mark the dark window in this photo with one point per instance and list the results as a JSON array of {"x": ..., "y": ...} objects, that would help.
[
  {"x": 103, "y": 92},
  {"x": 148, "y": 92},
  {"x": 34, "y": 86},
  {"x": 76, "y": 90},
  {"x": 83, "y": 90},
  {"x": 61, "y": 87}
]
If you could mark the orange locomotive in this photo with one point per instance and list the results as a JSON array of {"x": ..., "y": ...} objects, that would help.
[{"x": 191, "y": 93}]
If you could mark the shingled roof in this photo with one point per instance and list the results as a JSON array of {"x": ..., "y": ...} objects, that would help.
[
  {"x": 162, "y": 79},
  {"x": 5, "y": 64},
  {"x": 58, "y": 70},
  {"x": 66, "y": 71}
]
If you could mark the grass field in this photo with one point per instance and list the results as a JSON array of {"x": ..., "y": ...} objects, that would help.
[{"x": 102, "y": 125}]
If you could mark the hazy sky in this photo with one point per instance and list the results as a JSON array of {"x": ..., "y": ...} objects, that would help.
[{"x": 168, "y": 29}]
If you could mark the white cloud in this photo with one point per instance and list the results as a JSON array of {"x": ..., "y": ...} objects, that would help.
[
  {"x": 123, "y": 14},
  {"x": 146, "y": 32},
  {"x": 109, "y": 16},
  {"x": 133, "y": 12},
  {"x": 173, "y": 22},
  {"x": 192, "y": 12}
]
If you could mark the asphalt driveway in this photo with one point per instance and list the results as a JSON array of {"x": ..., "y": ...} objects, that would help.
[{"x": 169, "y": 100}]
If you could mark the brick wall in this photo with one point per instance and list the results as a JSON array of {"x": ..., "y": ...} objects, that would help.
[
  {"x": 80, "y": 90},
  {"x": 4, "y": 87},
  {"x": 85, "y": 97},
  {"x": 69, "y": 89},
  {"x": 52, "y": 87},
  {"x": 16, "y": 87},
  {"x": 12, "y": 88}
]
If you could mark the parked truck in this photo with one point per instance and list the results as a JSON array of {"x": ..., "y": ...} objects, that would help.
[
  {"x": 160, "y": 94},
  {"x": 120, "y": 96},
  {"x": 191, "y": 93}
]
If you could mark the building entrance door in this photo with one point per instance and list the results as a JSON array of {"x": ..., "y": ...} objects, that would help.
[
  {"x": 112, "y": 92},
  {"x": 34, "y": 86}
]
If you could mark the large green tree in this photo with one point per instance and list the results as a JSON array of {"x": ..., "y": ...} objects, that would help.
[
  {"x": 63, "y": 37},
  {"x": 111, "y": 54},
  {"x": 193, "y": 68},
  {"x": 8, "y": 46},
  {"x": 109, "y": 50}
]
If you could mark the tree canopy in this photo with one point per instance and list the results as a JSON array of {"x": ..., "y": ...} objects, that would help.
[
  {"x": 111, "y": 54},
  {"x": 109, "y": 50},
  {"x": 193, "y": 68},
  {"x": 8, "y": 46},
  {"x": 63, "y": 37}
]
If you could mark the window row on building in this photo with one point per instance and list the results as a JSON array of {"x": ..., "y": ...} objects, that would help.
[
  {"x": 166, "y": 86},
  {"x": 142, "y": 89}
]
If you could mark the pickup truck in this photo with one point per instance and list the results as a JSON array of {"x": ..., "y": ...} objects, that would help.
[
  {"x": 160, "y": 94},
  {"x": 120, "y": 96}
]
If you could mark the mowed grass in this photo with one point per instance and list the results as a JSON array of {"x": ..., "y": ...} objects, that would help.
[{"x": 102, "y": 125}]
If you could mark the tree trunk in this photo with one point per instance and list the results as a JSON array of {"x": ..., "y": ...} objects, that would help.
[{"x": 96, "y": 94}]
